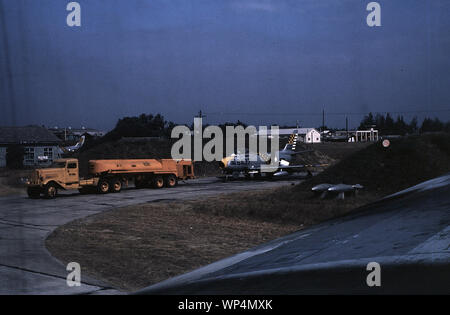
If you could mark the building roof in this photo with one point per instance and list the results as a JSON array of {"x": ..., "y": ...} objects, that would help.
[{"x": 27, "y": 135}]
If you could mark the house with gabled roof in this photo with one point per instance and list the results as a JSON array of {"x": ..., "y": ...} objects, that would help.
[{"x": 40, "y": 145}]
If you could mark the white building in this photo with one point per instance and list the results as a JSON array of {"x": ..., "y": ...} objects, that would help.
[
  {"x": 366, "y": 135},
  {"x": 310, "y": 135},
  {"x": 306, "y": 135}
]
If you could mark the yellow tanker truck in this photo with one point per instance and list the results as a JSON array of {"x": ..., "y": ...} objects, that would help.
[{"x": 108, "y": 175}]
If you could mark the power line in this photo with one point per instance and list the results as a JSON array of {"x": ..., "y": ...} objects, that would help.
[{"x": 328, "y": 113}]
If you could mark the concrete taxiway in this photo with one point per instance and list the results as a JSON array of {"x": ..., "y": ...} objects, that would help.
[{"x": 26, "y": 267}]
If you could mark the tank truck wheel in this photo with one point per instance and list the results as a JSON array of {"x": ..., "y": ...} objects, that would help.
[
  {"x": 50, "y": 191},
  {"x": 170, "y": 181},
  {"x": 116, "y": 185},
  {"x": 103, "y": 186},
  {"x": 158, "y": 182}
]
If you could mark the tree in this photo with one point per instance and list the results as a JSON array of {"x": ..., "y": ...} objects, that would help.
[
  {"x": 413, "y": 126},
  {"x": 142, "y": 126},
  {"x": 388, "y": 124},
  {"x": 447, "y": 127},
  {"x": 367, "y": 122},
  {"x": 400, "y": 127},
  {"x": 380, "y": 122},
  {"x": 431, "y": 125}
]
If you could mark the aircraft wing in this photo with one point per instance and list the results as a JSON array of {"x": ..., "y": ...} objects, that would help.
[
  {"x": 300, "y": 152},
  {"x": 291, "y": 168}
]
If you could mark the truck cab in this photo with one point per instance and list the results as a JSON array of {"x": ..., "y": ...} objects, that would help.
[{"x": 62, "y": 174}]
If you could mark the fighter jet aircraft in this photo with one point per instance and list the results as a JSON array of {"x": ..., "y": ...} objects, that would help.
[
  {"x": 74, "y": 147},
  {"x": 252, "y": 164}
]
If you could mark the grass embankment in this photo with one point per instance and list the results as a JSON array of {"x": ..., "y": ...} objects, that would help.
[
  {"x": 406, "y": 162},
  {"x": 136, "y": 246}
]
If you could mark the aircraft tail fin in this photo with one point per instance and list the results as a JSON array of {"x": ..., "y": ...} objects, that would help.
[{"x": 292, "y": 143}]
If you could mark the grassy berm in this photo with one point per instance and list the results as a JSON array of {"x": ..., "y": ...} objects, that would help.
[
  {"x": 405, "y": 162},
  {"x": 136, "y": 246}
]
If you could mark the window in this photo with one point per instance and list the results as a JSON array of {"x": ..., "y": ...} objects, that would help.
[
  {"x": 72, "y": 165},
  {"x": 29, "y": 155},
  {"x": 47, "y": 157},
  {"x": 48, "y": 152}
]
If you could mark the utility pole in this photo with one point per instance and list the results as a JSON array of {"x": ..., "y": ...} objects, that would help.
[
  {"x": 323, "y": 120},
  {"x": 200, "y": 114},
  {"x": 346, "y": 125}
]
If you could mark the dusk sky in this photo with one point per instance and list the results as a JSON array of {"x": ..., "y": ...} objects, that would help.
[{"x": 262, "y": 62}]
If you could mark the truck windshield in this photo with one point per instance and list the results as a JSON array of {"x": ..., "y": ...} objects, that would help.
[{"x": 58, "y": 165}]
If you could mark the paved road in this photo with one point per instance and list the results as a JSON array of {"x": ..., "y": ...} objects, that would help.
[
  {"x": 408, "y": 234},
  {"x": 26, "y": 267}
]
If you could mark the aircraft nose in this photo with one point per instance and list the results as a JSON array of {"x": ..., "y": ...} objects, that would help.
[{"x": 223, "y": 163}]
